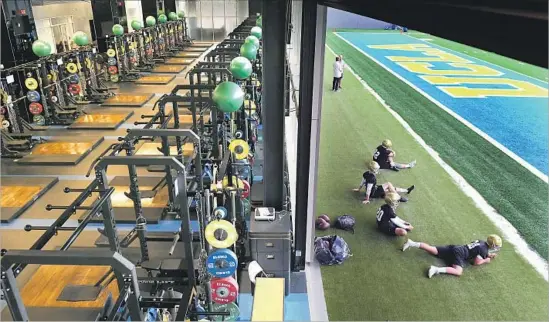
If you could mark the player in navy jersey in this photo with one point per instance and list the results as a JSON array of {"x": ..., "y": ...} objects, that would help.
[
  {"x": 373, "y": 190},
  {"x": 384, "y": 156},
  {"x": 477, "y": 252},
  {"x": 387, "y": 220}
]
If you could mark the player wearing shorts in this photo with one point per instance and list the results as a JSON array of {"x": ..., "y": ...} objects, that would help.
[
  {"x": 373, "y": 190},
  {"x": 477, "y": 252},
  {"x": 384, "y": 156},
  {"x": 387, "y": 220}
]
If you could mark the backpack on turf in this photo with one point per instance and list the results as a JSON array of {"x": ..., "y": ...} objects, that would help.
[
  {"x": 331, "y": 250},
  {"x": 345, "y": 222}
]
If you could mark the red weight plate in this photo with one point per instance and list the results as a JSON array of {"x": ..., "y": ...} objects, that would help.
[
  {"x": 2, "y": 110},
  {"x": 224, "y": 290},
  {"x": 35, "y": 108},
  {"x": 74, "y": 89},
  {"x": 113, "y": 70},
  {"x": 245, "y": 189}
]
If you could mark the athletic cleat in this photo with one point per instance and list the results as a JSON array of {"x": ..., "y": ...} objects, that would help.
[
  {"x": 402, "y": 199},
  {"x": 395, "y": 169},
  {"x": 411, "y": 189},
  {"x": 412, "y": 164},
  {"x": 406, "y": 245},
  {"x": 433, "y": 271}
]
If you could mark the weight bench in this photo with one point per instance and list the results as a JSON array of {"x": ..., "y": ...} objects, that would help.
[{"x": 268, "y": 302}]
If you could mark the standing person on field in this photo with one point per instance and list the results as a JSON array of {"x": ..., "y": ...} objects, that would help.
[
  {"x": 342, "y": 69},
  {"x": 338, "y": 72}
]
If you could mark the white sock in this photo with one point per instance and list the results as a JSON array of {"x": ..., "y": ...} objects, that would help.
[
  {"x": 441, "y": 270},
  {"x": 413, "y": 243},
  {"x": 401, "y": 190}
]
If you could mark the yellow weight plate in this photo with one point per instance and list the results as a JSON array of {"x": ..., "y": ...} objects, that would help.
[
  {"x": 31, "y": 83},
  {"x": 236, "y": 183},
  {"x": 240, "y": 149},
  {"x": 72, "y": 68},
  {"x": 111, "y": 52},
  {"x": 88, "y": 63},
  {"x": 229, "y": 232}
]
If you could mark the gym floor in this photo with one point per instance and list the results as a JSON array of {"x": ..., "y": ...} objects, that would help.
[{"x": 55, "y": 166}]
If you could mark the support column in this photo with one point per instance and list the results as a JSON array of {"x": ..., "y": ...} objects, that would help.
[
  {"x": 274, "y": 48},
  {"x": 313, "y": 37}
]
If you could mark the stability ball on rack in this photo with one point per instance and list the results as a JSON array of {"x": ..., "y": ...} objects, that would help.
[
  {"x": 249, "y": 51},
  {"x": 256, "y": 31},
  {"x": 118, "y": 30},
  {"x": 181, "y": 14},
  {"x": 162, "y": 18},
  {"x": 136, "y": 24},
  {"x": 172, "y": 16},
  {"x": 151, "y": 21},
  {"x": 80, "y": 38},
  {"x": 41, "y": 48},
  {"x": 228, "y": 96},
  {"x": 253, "y": 40},
  {"x": 240, "y": 67}
]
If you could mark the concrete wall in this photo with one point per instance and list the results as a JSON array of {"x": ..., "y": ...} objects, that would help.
[{"x": 343, "y": 19}]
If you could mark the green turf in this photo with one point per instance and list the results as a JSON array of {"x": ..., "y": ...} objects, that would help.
[
  {"x": 380, "y": 282},
  {"x": 517, "y": 194}
]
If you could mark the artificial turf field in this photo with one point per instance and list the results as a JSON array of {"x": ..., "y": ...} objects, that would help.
[{"x": 382, "y": 283}]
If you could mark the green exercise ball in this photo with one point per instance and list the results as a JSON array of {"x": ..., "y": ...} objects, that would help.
[
  {"x": 252, "y": 40},
  {"x": 259, "y": 22},
  {"x": 181, "y": 14},
  {"x": 240, "y": 67},
  {"x": 256, "y": 31},
  {"x": 228, "y": 96},
  {"x": 41, "y": 48},
  {"x": 172, "y": 16},
  {"x": 123, "y": 21},
  {"x": 249, "y": 51},
  {"x": 80, "y": 38},
  {"x": 136, "y": 25},
  {"x": 150, "y": 21},
  {"x": 118, "y": 30},
  {"x": 162, "y": 18}
]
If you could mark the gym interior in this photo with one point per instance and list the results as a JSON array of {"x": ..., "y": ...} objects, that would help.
[{"x": 159, "y": 161}]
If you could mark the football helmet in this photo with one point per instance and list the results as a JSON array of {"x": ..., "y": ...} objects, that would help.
[
  {"x": 494, "y": 242},
  {"x": 392, "y": 199},
  {"x": 387, "y": 143},
  {"x": 373, "y": 166}
]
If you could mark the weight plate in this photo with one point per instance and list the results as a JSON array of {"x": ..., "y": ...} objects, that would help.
[
  {"x": 74, "y": 79},
  {"x": 49, "y": 77},
  {"x": 54, "y": 99},
  {"x": 240, "y": 149},
  {"x": 111, "y": 61},
  {"x": 232, "y": 308},
  {"x": 113, "y": 70},
  {"x": 39, "y": 120},
  {"x": 133, "y": 60},
  {"x": 35, "y": 108},
  {"x": 220, "y": 234},
  {"x": 239, "y": 134},
  {"x": 74, "y": 89},
  {"x": 5, "y": 124},
  {"x": 53, "y": 75},
  {"x": 222, "y": 263},
  {"x": 88, "y": 63},
  {"x": 220, "y": 213},
  {"x": 114, "y": 78},
  {"x": 99, "y": 59},
  {"x": 31, "y": 83},
  {"x": 2, "y": 110},
  {"x": 224, "y": 290},
  {"x": 111, "y": 52},
  {"x": 245, "y": 189},
  {"x": 33, "y": 96},
  {"x": 72, "y": 68},
  {"x": 247, "y": 206}
]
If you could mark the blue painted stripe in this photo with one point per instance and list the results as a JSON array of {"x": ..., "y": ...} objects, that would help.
[
  {"x": 518, "y": 123},
  {"x": 296, "y": 307}
]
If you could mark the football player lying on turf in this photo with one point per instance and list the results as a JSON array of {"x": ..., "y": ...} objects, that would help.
[
  {"x": 387, "y": 220},
  {"x": 478, "y": 252},
  {"x": 378, "y": 191},
  {"x": 383, "y": 155}
]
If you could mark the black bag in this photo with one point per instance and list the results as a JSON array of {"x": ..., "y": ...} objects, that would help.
[{"x": 345, "y": 222}]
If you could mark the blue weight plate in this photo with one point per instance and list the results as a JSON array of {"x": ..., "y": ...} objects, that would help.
[
  {"x": 111, "y": 61},
  {"x": 33, "y": 96},
  {"x": 74, "y": 79},
  {"x": 222, "y": 263},
  {"x": 220, "y": 212}
]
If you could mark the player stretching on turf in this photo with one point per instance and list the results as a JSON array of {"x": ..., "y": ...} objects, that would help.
[
  {"x": 387, "y": 220},
  {"x": 378, "y": 191},
  {"x": 478, "y": 252},
  {"x": 383, "y": 155}
]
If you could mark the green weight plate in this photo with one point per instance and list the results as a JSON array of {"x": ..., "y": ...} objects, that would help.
[
  {"x": 39, "y": 120},
  {"x": 232, "y": 308}
]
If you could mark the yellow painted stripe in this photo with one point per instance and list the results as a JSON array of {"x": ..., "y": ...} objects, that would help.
[{"x": 268, "y": 299}]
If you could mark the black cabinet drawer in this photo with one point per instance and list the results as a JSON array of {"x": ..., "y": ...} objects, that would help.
[
  {"x": 273, "y": 261},
  {"x": 270, "y": 245}
]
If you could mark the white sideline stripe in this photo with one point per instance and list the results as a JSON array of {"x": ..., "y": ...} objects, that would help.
[
  {"x": 498, "y": 145},
  {"x": 510, "y": 233}
]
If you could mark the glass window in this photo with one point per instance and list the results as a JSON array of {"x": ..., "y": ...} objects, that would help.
[
  {"x": 230, "y": 7},
  {"x": 218, "y": 8},
  {"x": 207, "y": 22},
  {"x": 190, "y": 7},
  {"x": 206, "y": 8}
]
